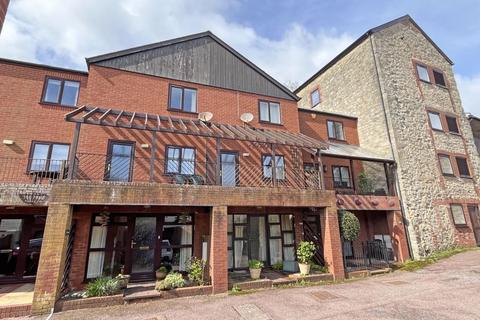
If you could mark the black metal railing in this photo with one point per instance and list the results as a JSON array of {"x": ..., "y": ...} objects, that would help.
[{"x": 366, "y": 255}]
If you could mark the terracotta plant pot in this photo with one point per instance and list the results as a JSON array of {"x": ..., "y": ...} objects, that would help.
[
  {"x": 255, "y": 273},
  {"x": 160, "y": 275},
  {"x": 304, "y": 268}
]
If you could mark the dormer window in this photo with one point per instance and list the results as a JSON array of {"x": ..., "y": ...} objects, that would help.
[{"x": 315, "y": 97}]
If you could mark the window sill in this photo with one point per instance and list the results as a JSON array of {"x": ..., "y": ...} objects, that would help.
[
  {"x": 438, "y": 130},
  {"x": 424, "y": 81},
  {"x": 442, "y": 87},
  {"x": 52, "y": 104},
  {"x": 463, "y": 226},
  {"x": 182, "y": 111},
  {"x": 455, "y": 133},
  {"x": 337, "y": 140},
  {"x": 466, "y": 177},
  {"x": 272, "y": 123},
  {"x": 449, "y": 175}
]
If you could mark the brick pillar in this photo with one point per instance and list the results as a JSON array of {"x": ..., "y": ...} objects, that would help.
[
  {"x": 332, "y": 244},
  {"x": 298, "y": 219},
  {"x": 218, "y": 249},
  {"x": 80, "y": 248},
  {"x": 397, "y": 232},
  {"x": 52, "y": 258}
]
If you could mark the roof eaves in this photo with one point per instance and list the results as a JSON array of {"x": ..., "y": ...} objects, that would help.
[{"x": 42, "y": 66}]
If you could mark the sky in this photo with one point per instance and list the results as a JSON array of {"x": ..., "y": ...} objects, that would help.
[{"x": 288, "y": 39}]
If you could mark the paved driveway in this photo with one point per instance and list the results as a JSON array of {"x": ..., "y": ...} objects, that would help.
[{"x": 449, "y": 289}]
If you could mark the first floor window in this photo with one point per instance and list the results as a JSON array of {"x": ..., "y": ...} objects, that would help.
[
  {"x": 341, "y": 177},
  {"x": 462, "y": 166},
  {"x": 423, "y": 74},
  {"x": 315, "y": 97},
  {"x": 445, "y": 164},
  {"x": 180, "y": 160},
  {"x": 268, "y": 165},
  {"x": 435, "y": 121},
  {"x": 183, "y": 99},
  {"x": 335, "y": 130},
  {"x": 457, "y": 214},
  {"x": 63, "y": 92},
  {"x": 48, "y": 156},
  {"x": 270, "y": 112},
  {"x": 452, "y": 124}
]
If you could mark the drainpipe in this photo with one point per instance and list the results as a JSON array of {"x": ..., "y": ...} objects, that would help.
[{"x": 397, "y": 182}]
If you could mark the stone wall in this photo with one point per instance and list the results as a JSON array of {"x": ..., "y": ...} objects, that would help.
[{"x": 416, "y": 145}]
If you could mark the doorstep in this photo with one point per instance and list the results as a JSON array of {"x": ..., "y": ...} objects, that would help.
[{"x": 366, "y": 273}]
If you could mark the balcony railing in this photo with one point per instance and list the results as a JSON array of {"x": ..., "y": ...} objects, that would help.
[
  {"x": 361, "y": 185},
  {"x": 97, "y": 167}
]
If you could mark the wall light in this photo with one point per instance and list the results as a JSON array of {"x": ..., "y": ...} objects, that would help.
[{"x": 8, "y": 142}]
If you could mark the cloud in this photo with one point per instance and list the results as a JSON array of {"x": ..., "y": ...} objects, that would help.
[
  {"x": 63, "y": 33},
  {"x": 469, "y": 88}
]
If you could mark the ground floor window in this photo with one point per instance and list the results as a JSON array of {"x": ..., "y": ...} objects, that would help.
[
  {"x": 268, "y": 238},
  {"x": 138, "y": 245},
  {"x": 20, "y": 244}
]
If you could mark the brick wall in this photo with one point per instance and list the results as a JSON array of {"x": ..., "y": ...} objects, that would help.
[{"x": 82, "y": 220}]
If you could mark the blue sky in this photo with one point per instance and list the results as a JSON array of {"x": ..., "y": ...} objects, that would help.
[{"x": 289, "y": 39}]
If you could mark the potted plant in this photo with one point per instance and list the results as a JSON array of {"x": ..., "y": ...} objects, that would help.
[
  {"x": 161, "y": 273},
  {"x": 305, "y": 252},
  {"x": 172, "y": 280},
  {"x": 123, "y": 280},
  {"x": 255, "y": 267}
]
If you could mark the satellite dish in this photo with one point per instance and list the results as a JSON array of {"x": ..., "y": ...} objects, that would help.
[
  {"x": 205, "y": 116},
  {"x": 246, "y": 117}
]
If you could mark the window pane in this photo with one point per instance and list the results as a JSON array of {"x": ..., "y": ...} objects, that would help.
[
  {"x": 39, "y": 157},
  {"x": 267, "y": 166},
  {"x": 274, "y": 113},
  {"x": 175, "y": 98},
  {"x": 275, "y": 230},
  {"x": 240, "y": 218},
  {"x": 439, "y": 78},
  {"x": 287, "y": 224},
  {"x": 58, "y": 156},
  {"x": 273, "y": 218},
  {"x": 120, "y": 162},
  {"x": 423, "y": 73},
  {"x": 230, "y": 223},
  {"x": 264, "y": 115},
  {"x": 280, "y": 170},
  {"x": 174, "y": 235},
  {"x": 435, "y": 121},
  {"x": 240, "y": 231},
  {"x": 315, "y": 96},
  {"x": 173, "y": 160},
  {"x": 188, "y": 161},
  {"x": 345, "y": 176},
  {"x": 339, "y": 131},
  {"x": 462, "y": 166},
  {"x": 70, "y": 93},
  {"x": 241, "y": 254},
  {"x": 190, "y": 100},
  {"x": 95, "y": 264},
  {"x": 331, "y": 129},
  {"x": 98, "y": 237},
  {"x": 452, "y": 124},
  {"x": 289, "y": 253},
  {"x": 457, "y": 213},
  {"x": 287, "y": 238},
  {"x": 52, "y": 93},
  {"x": 275, "y": 250},
  {"x": 445, "y": 165}
]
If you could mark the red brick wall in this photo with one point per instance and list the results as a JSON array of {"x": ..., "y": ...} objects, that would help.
[
  {"x": 3, "y": 11},
  {"x": 82, "y": 220}
]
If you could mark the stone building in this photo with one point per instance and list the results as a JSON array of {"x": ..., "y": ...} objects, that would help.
[
  {"x": 475, "y": 124},
  {"x": 401, "y": 87}
]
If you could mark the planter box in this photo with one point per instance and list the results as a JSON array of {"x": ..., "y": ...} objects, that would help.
[{"x": 94, "y": 302}]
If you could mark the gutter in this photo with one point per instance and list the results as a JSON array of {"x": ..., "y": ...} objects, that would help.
[{"x": 397, "y": 182}]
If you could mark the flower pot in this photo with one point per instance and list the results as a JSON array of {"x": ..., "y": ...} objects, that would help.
[
  {"x": 255, "y": 273},
  {"x": 304, "y": 268},
  {"x": 160, "y": 275},
  {"x": 123, "y": 281}
]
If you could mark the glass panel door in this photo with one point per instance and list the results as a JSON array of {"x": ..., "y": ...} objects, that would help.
[
  {"x": 10, "y": 238},
  {"x": 257, "y": 238},
  {"x": 229, "y": 169},
  {"x": 143, "y": 245},
  {"x": 119, "y": 161}
]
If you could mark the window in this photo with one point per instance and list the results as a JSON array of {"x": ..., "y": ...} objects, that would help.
[
  {"x": 279, "y": 164},
  {"x": 183, "y": 99},
  {"x": 315, "y": 97},
  {"x": 61, "y": 92},
  {"x": 462, "y": 167},
  {"x": 48, "y": 157},
  {"x": 270, "y": 112},
  {"x": 439, "y": 78},
  {"x": 435, "y": 120},
  {"x": 458, "y": 215},
  {"x": 177, "y": 241},
  {"x": 452, "y": 124},
  {"x": 445, "y": 164},
  {"x": 422, "y": 72},
  {"x": 180, "y": 160},
  {"x": 335, "y": 130},
  {"x": 341, "y": 177}
]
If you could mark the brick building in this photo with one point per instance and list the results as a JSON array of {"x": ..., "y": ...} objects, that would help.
[{"x": 400, "y": 85}]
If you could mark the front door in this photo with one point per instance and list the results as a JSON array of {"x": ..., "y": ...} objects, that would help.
[
  {"x": 119, "y": 161},
  {"x": 475, "y": 218},
  {"x": 142, "y": 246},
  {"x": 229, "y": 168}
]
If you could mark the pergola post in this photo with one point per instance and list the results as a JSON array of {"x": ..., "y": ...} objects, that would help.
[
  {"x": 321, "y": 179},
  {"x": 218, "y": 144},
  {"x": 352, "y": 171},
  {"x": 73, "y": 150},
  {"x": 274, "y": 166},
  {"x": 152, "y": 155}
]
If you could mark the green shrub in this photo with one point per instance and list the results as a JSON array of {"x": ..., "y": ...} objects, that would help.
[
  {"x": 278, "y": 266},
  {"x": 305, "y": 251},
  {"x": 318, "y": 268},
  {"x": 255, "y": 264},
  {"x": 196, "y": 270},
  {"x": 172, "y": 280},
  {"x": 349, "y": 225},
  {"x": 105, "y": 286},
  {"x": 365, "y": 184}
]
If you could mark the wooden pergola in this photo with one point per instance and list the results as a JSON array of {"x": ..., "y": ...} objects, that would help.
[{"x": 163, "y": 123}]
